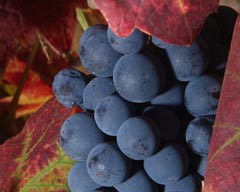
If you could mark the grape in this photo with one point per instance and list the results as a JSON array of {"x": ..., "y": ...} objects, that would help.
[
  {"x": 130, "y": 44},
  {"x": 168, "y": 165},
  {"x": 110, "y": 112},
  {"x": 189, "y": 183},
  {"x": 166, "y": 120},
  {"x": 79, "y": 180},
  {"x": 198, "y": 134},
  {"x": 202, "y": 95},
  {"x": 95, "y": 90},
  {"x": 138, "y": 137},
  {"x": 188, "y": 63},
  {"x": 159, "y": 42},
  {"x": 96, "y": 54},
  {"x": 202, "y": 166},
  {"x": 68, "y": 86},
  {"x": 137, "y": 78},
  {"x": 172, "y": 97},
  {"x": 139, "y": 182},
  {"x": 79, "y": 134},
  {"x": 106, "y": 165}
]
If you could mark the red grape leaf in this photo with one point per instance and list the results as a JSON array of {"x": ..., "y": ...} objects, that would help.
[
  {"x": 223, "y": 170},
  {"x": 33, "y": 160},
  {"x": 35, "y": 92},
  {"x": 56, "y": 19},
  {"x": 174, "y": 21}
]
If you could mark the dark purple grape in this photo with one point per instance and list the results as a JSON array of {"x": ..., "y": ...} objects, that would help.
[
  {"x": 95, "y": 90},
  {"x": 96, "y": 54},
  {"x": 198, "y": 134},
  {"x": 188, "y": 63},
  {"x": 126, "y": 45},
  {"x": 79, "y": 134},
  {"x": 107, "y": 165},
  {"x": 168, "y": 165},
  {"x": 202, "y": 95},
  {"x": 138, "y": 182},
  {"x": 79, "y": 180},
  {"x": 138, "y": 138},
  {"x": 137, "y": 78},
  {"x": 110, "y": 112},
  {"x": 68, "y": 86},
  {"x": 189, "y": 183}
]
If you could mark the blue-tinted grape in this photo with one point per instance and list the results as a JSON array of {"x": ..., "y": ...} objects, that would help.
[
  {"x": 79, "y": 180},
  {"x": 96, "y": 54},
  {"x": 137, "y": 78},
  {"x": 198, "y": 134},
  {"x": 202, "y": 95},
  {"x": 68, "y": 86},
  {"x": 95, "y": 90},
  {"x": 139, "y": 182},
  {"x": 126, "y": 45},
  {"x": 189, "y": 183},
  {"x": 138, "y": 138},
  {"x": 202, "y": 166},
  {"x": 79, "y": 134},
  {"x": 188, "y": 63},
  {"x": 159, "y": 42},
  {"x": 173, "y": 96},
  {"x": 166, "y": 120},
  {"x": 110, "y": 112},
  {"x": 168, "y": 165},
  {"x": 107, "y": 165}
]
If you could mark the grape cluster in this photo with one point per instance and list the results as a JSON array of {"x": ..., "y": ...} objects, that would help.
[{"x": 148, "y": 110}]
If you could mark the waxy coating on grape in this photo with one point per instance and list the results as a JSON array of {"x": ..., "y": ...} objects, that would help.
[
  {"x": 79, "y": 180},
  {"x": 202, "y": 95},
  {"x": 68, "y": 81},
  {"x": 173, "y": 96},
  {"x": 138, "y": 137},
  {"x": 126, "y": 45},
  {"x": 110, "y": 112},
  {"x": 198, "y": 134},
  {"x": 189, "y": 183},
  {"x": 96, "y": 89},
  {"x": 138, "y": 182},
  {"x": 107, "y": 165},
  {"x": 137, "y": 78},
  {"x": 96, "y": 54},
  {"x": 145, "y": 147},
  {"x": 188, "y": 63},
  {"x": 202, "y": 166},
  {"x": 168, "y": 165},
  {"x": 79, "y": 134}
]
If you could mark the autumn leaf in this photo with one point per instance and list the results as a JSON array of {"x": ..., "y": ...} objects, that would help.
[
  {"x": 174, "y": 21},
  {"x": 34, "y": 160},
  {"x": 35, "y": 91},
  {"x": 223, "y": 171}
]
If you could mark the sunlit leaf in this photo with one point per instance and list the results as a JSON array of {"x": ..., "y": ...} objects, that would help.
[
  {"x": 34, "y": 160},
  {"x": 223, "y": 171},
  {"x": 174, "y": 21}
]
